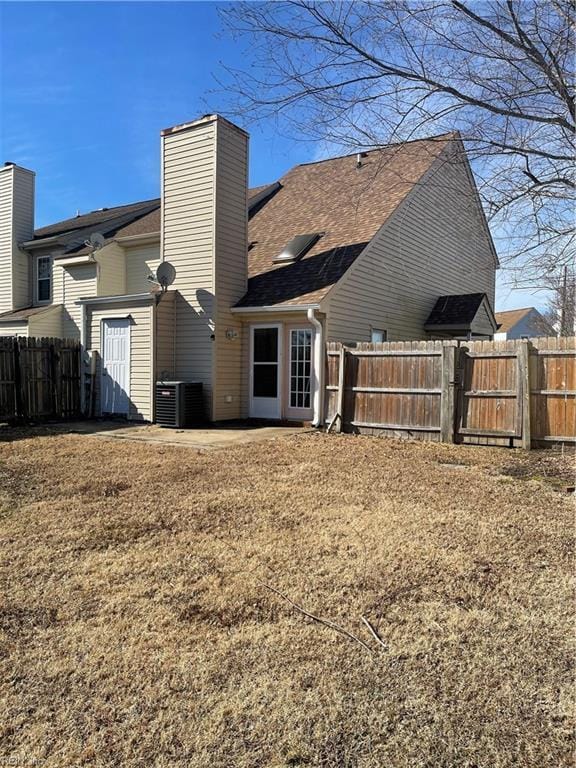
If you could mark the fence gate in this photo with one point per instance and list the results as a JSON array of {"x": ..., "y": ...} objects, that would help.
[
  {"x": 40, "y": 378},
  {"x": 491, "y": 381}
]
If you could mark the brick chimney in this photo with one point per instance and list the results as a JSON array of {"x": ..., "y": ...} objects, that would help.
[
  {"x": 204, "y": 236},
  {"x": 16, "y": 226}
]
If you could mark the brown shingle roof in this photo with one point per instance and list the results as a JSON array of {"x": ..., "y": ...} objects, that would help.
[
  {"x": 508, "y": 319},
  {"x": 17, "y": 315},
  {"x": 94, "y": 218},
  {"x": 147, "y": 224},
  {"x": 346, "y": 203}
]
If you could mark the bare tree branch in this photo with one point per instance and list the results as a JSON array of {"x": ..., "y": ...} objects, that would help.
[{"x": 363, "y": 74}]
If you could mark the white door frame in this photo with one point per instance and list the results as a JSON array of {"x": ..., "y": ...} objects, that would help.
[
  {"x": 276, "y": 413},
  {"x": 299, "y": 414},
  {"x": 103, "y": 322}
]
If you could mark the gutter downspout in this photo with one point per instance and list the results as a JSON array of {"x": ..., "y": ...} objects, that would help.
[
  {"x": 83, "y": 359},
  {"x": 318, "y": 367}
]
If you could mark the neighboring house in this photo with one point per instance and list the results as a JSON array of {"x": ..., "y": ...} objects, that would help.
[
  {"x": 355, "y": 248},
  {"x": 522, "y": 324}
]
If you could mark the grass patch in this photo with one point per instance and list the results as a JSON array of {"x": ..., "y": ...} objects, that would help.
[{"x": 136, "y": 629}]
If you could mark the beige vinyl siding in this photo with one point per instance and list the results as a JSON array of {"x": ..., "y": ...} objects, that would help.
[
  {"x": 16, "y": 225},
  {"x": 5, "y": 241},
  {"x": 165, "y": 337},
  {"x": 23, "y": 229},
  {"x": 48, "y": 323},
  {"x": 189, "y": 164},
  {"x": 14, "y": 329},
  {"x": 434, "y": 244},
  {"x": 141, "y": 363},
  {"x": 111, "y": 271},
  {"x": 141, "y": 261},
  {"x": 78, "y": 282},
  {"x": 231, "y": 267}
]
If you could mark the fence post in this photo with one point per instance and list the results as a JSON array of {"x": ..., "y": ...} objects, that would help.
[
  {"x": 341, "y": 380},
  {"x": 448, "y": 400},
  {"x": 18, "y": 391},
  {"x": 53, "y": 380},
  {"x": 524, "y": 391}
]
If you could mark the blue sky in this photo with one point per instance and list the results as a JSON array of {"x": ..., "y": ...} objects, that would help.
[{"x": 86, "y": 88}]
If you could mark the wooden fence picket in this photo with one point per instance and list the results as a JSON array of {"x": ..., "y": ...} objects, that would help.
[{"x": 517, "y": 393}]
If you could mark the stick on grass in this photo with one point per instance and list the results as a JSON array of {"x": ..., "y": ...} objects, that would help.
[
  {"x": 373, "y": 632},
  {"x": 319, "y": 619}
]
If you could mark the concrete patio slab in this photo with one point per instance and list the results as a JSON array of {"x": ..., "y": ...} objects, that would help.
[{"x": 206, "y": 439}]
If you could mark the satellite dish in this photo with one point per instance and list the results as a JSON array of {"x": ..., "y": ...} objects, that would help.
[
  {"x": 96, "y": 240},
  {"x": 165, "y": 274}
]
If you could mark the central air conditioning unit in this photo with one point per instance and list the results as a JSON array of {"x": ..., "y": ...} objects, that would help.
[{"x": 179, "y": 404}]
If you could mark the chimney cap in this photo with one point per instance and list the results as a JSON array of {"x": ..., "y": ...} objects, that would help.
[
  {"x": 209, "y": 118},
  {"x": 10, "y": 164}
]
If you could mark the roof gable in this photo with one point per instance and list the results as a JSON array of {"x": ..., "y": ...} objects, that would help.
[
  {"x": 347, "y": 203},
  {"x": 459, "y": 312},
  {"x": 509, "y": 318}
]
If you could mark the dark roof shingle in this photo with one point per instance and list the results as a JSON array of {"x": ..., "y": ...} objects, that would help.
[{"x": 455, "y": 310}]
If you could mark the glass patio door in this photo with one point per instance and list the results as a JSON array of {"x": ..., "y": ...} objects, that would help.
[{"x": 300, "y": 342}]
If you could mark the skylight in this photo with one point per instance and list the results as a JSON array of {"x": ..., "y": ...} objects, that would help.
[{"x": 298, "y": 247}]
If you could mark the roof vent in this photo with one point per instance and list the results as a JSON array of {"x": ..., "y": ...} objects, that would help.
[
  {"x": 359, "y": 157},
  {"x": 297, "y": 247}
]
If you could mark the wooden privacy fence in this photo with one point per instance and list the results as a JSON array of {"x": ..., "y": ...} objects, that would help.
[
  {"x": 516, "y": 393},
  {"x": 40, "y": 378}
]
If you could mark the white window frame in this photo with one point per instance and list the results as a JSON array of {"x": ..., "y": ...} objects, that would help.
[
  {"x": 295, "y": 329},
  {"x": 382, "y": 332},
  {"x": 37, "y": 299}
]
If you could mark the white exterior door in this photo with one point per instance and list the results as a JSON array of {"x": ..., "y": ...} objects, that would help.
[
  {"x": 265, "y": 371},
  {"x": 115, "y": 378}
]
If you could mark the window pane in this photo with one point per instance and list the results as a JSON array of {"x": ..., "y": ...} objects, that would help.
[
  {"x": 265, "y": 345},
  {"x": 265, "y": 381},
  {"x": 43, "y": 269},
  {"x": 44, "y": 290},
  {"x": 300, "y": 369}
]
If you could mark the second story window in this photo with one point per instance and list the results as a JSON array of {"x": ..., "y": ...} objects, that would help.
[{"x": 44, "y": 278}]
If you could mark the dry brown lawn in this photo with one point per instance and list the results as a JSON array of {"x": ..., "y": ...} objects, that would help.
[{"x": 137, "y": 630}]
